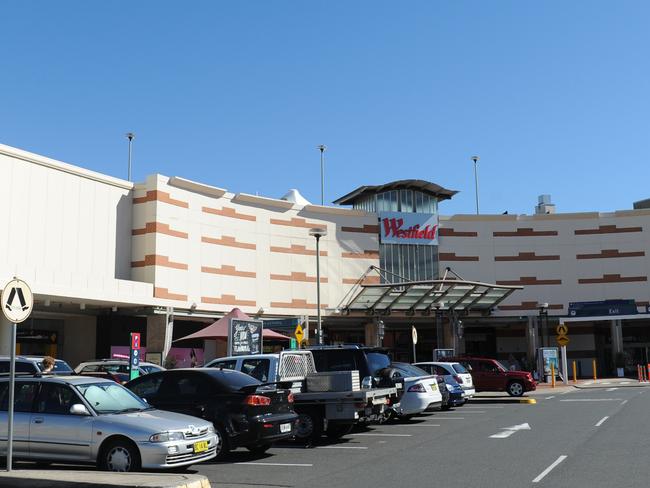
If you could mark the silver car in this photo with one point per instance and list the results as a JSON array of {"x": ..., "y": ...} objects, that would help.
[{"x": 93, "y": 420}]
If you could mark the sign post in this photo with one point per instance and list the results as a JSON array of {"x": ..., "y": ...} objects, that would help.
[
  {"x": 134, "y": 356},
  {"x": 562, "y": 340},
  {"x": 17, "y": 302},
  {"x": 414, "y": 336},
  {"x": 299, "y": 334}
]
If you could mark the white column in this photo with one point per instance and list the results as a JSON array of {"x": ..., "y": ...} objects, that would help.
[{"x": 5, "y": 336}]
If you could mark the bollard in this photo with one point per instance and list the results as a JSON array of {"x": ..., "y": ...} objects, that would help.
[
  {"x": 552, "y": 375},
  {"x": 638, "y": 373},
  {"x": 593, "y": 365},
  {"x": 575, "y": 376}
]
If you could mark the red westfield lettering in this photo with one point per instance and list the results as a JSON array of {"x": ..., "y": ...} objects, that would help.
[{"x": 393, "y": 228}]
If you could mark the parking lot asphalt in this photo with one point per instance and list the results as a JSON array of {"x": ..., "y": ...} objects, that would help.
[{"x": 569, "y": 438}]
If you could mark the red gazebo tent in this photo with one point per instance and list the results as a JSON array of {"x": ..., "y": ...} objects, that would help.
[{"x": 219, "y": 329}]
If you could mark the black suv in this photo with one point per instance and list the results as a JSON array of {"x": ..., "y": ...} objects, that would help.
[{"x": 373, "y": 363}]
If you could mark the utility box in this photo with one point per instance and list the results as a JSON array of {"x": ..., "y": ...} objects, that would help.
[{"x": 333, "y": 381}]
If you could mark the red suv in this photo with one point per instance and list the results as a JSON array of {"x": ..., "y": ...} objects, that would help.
[{"x": 490, "y": 375}]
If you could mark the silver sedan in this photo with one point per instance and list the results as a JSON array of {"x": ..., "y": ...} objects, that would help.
[{"x": 79, "y": 419}]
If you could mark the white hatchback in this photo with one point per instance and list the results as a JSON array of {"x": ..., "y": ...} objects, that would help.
[{"x": 457, "y": 370}]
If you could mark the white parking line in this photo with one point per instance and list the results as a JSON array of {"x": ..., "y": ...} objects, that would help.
[
  {"x": 549, "y": 469},
  {"x": 421, "y": 425},
  {"x": 481, "y": 406},
  {"x": 611, "y": 389},
  {"x": 468, "y": 411},
  {"x": 548, "y": 398},
  {"x": 448, "y": 418},
  {"x": 623, "y": 402},
  {"x": 386, "y": 435},
  {"x": 341, "y": 447},
  {"x": 602, "y": 421},
  {"x": 593, "y": 400},
  {"x": 274, "y": 464}
]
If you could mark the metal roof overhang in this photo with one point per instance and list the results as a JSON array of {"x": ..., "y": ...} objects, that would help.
[{"x": 425, "y": 296}]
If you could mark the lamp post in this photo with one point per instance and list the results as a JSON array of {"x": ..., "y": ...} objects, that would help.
[
  {"x": 475, "y": 159},
  {"x": 543, "y": 320},
  {"x": 318, "y": 233},
  {"x": 322, "y": 148},
  {"x": 130, "y": 136}
]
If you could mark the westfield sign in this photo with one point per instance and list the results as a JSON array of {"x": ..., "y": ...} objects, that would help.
[{"x": 408, "y": 228}]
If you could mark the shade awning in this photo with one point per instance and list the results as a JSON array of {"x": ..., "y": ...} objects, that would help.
[
  {"x": 219, "y": 329},
  {"x": 425, "y": 296}
]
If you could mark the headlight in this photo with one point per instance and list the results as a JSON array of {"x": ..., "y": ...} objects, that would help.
[
  {"x": 210, "y": 429},
  {"x": 366, "y": 383},
  {"x": 449, "y": 387},
  {"x": 167, "y": 436}
]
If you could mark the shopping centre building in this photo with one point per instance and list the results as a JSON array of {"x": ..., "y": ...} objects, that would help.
[{"x": 167, "y": 256}]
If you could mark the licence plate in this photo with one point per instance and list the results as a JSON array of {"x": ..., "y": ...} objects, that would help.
[
  {"x": 398, "y": 385},
  {"x": 285, "y": 428},
  {"x": 434, "y": 386},
  {"x": 200, "y": 446}
]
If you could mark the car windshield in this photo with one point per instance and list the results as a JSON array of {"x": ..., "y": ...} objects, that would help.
[
  {"x": 150, "y": 368},
  {"x": 459, "y": 368},
  {"x": 111, "y": 398},
  {"x": 377, "y": 361},
  {"x": 410, "y": 370}
]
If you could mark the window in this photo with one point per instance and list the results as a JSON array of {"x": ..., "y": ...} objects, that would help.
[
  {"x": 459, "y": 368},
  {"x": 56, "y": 398},
  {"x": 24, "y": 394},
  {"x": 192, "y": 385},
  {"x": 21, "y": 367},
  {"x": 377, "y": 361},
  {"x": 92, "y": 368},
  {"x": 148, "y": 387},
  {"x": 257, "y": 368},
  {"x": 231, "y": 364}
]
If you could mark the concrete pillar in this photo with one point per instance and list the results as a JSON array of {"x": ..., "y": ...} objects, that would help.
[
  {"x": 156, "y": 330},
  {"x": 5, "y": 336},
  {"x": 79, "y": 339},
  {"x": 616, "y": 327},
  {"x": 532, "y": 337},
  {"x": 371, "y": 334},
  {"x": 448, "y": 335}
]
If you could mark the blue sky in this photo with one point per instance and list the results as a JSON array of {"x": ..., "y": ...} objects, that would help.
[{"x": 553, "y": 96}]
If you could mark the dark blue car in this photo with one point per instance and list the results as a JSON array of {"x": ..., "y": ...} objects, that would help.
[{"x": 456, "y": 393}]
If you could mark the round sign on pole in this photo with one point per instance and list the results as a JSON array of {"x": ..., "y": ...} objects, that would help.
[
  {"x": 17, "y": 301},
  {"x": 414, "y": 334}
]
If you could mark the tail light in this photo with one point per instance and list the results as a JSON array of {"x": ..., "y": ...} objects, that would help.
[
  {"x": 290, "y": 398},
  {"x": 417, "y": 388},
  {"x": 256, "y": 400},
  {"x": 458, "y": 379}
]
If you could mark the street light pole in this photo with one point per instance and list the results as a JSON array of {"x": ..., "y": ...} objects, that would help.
[
  {"x": 322, "y": 148},
  {"x": 130, "y": 136},
  {"x": 318, "y": 233},
  {"x": 475, "y": 159}
]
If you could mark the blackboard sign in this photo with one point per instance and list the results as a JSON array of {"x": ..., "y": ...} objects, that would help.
[{"x": 244, "y": 337}]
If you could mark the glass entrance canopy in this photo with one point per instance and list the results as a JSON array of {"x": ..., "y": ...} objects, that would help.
[{"x": 427, "y": 296}]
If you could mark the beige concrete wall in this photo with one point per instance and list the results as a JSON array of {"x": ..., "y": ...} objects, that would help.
[
  {"x": 205, "y": 246},
  {"x": 557, "y": 258}
]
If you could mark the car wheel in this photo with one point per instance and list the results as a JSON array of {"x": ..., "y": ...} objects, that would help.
[
  {"x": 309, "y": 426},
  {"x": 120, "y": 455},
  {"x": 336, "y": 431},
  {"x": 259, "y": 450},
  {"x": 407, "y": 417},
  {"x": 223, "y": 446},
  {"x": 515, "y": 388}
]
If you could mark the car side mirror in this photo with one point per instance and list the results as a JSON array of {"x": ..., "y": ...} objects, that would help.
[{"x": 79, "y": 409}]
